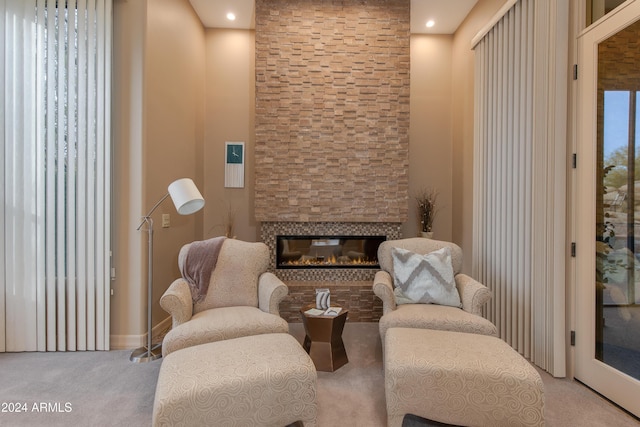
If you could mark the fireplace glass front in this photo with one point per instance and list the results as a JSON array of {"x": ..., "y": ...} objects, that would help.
[{"x": 328, "y": 251}]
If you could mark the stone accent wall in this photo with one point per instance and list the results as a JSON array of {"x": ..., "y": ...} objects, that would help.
[
  {"x": 617, "y": 60},
  {"x": 357, "y": 297},
  {"x": 332, "y": 110}
]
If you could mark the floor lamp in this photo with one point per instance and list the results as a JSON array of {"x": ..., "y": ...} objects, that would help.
[{"x": 188, "y": 200}]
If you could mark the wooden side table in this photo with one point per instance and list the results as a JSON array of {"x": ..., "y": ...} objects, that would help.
[{"x": 323, "y": 340}]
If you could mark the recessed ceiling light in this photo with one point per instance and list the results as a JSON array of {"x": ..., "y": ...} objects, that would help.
[
  {"x": 430, "y": 23},
  {"x": 231, "y": 16}
]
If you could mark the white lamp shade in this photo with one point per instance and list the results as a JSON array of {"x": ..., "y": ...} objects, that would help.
[{"x": 185, "y": 196}]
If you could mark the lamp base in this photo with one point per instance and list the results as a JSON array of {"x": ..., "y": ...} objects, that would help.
[{"x": 142, "y": 355}]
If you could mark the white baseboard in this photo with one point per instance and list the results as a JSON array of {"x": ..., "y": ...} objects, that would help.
[{"x": 125, "y": 342}]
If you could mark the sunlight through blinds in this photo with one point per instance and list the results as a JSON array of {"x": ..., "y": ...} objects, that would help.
[{"x": 56, "y": 158}]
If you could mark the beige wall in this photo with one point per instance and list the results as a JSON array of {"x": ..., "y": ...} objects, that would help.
[
  {"x": 230, "y": 95},
  {"x": 462, "y": 100},
  {"x": 181, "y": 92},
  {"x": 159, "y": 112},
  {"x": 230, "y": 112},
  {"x": 174, "y": 107},
  {"x": 430, "y": 149},
  {"x": 128, "y": 300}
]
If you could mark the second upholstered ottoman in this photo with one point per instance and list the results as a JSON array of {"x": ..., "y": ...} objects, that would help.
[{"x": 459, "y": 378}]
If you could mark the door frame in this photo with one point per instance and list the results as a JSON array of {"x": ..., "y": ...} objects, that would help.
[{"x": 615, "y": 385}]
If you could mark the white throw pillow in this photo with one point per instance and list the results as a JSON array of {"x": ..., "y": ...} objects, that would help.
[{"x": 425, "y": 279}]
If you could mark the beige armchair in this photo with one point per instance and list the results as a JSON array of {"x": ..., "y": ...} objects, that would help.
[
  {"x": 242, "y": 299},
  {"x": 473, "y": 295}
]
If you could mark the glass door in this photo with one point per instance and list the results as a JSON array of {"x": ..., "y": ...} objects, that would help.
[
  {"x": 608, "y": 203},
  {"x": 617, "y": 223}
]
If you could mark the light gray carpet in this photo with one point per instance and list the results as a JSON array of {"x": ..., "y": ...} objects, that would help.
[{"x": 105, "y": 389}]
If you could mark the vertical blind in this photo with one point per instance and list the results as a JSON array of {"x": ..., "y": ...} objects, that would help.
[
  {"x": 519, "y": 177},
  {"x": 55, "y": 171}
]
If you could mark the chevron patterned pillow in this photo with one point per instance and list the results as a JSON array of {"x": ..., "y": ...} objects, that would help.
[{"x": 424, "y": 279}]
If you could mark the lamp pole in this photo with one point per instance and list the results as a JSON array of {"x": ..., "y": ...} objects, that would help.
[
  {"x": 187, "y": 200},
  {"x": 149, "y": 353}
]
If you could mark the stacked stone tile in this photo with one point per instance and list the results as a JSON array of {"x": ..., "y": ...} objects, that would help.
[{"x": 332, "y": 110}]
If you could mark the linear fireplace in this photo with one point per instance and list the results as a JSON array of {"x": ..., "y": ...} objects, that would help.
[
  {"x": 328, "y": 251},
  {"x": 325, "y": 233}
]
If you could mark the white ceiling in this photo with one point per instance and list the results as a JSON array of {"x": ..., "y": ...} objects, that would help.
[
  {"x": 213, "y": 13},
  {"x": 447, "y": 14}
]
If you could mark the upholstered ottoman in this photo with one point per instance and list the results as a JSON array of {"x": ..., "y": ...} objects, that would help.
[
  {"x": 262, "y": 380},
  {"x": 459, "y": 378}
]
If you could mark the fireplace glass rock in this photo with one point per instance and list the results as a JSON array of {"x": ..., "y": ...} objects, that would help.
[{"x": 328, "y": 251}]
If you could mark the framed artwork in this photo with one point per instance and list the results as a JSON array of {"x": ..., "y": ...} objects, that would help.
[{"x": 234, "y": 164}]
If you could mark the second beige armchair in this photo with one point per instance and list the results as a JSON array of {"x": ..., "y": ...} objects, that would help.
[
  {"x": 473, "y": 295},
  {"x": 242, "y": 299}
]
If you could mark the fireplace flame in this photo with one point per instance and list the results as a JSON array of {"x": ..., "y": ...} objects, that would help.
[{"x": 342, "y": 261}]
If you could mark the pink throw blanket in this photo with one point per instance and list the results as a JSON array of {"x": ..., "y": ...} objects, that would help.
[{"x": 200, "y": 262}]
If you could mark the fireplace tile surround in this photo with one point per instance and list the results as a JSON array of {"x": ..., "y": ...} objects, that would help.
[
  {"x": 350, "y": 287},
  {"x": 270, "y": 231}
]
